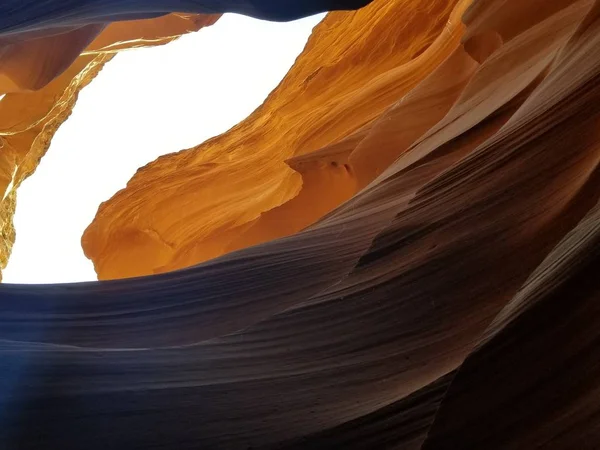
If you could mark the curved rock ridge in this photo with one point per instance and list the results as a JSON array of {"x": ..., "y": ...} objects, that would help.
[
  {"x": 49, "y": 50},
  {"x": 288, "y": 163},
  {"x": 451, "y": 302},
  {"x": 29, "y": 118}
]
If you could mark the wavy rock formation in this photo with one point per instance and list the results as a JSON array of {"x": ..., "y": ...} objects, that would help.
[
  {"x": 451, "y": 301},
  {"x": 287, "y": 164},
  {"x": 29, "y": 117}
]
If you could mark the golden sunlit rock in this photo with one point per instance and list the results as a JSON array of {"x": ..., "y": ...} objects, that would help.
[
  {"x": 289, "y": 163},
  {"x": 29, "y": 118}
]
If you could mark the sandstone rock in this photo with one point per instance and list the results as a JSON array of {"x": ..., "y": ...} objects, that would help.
[
  {"x": 285, "y": 166},
  {"x": 451, "y": 302},
  {"x": 29, "y": 119}
]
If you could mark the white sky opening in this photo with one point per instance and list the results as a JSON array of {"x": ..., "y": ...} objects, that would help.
[{"x": 143, "y": 104}]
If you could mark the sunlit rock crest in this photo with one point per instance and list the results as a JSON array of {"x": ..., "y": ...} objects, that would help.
[
  {"x": 42, "y": 78},
  {"x": 436, "y": 288},
  {"x": 290, "y": 162}
]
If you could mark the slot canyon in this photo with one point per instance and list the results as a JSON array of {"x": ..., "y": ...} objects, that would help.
[{"x": 395, "y": 250}]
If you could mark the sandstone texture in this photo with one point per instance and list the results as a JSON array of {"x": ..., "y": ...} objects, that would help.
[
  {"x": 424, "y": 193},
  {"x": 289, "y": 163},
  {"x": 42, "y": 78}
]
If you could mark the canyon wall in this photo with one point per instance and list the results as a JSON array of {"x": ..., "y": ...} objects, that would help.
[
  {"x": 441, "y": 292},
  {"x": 292, "y": 161}
]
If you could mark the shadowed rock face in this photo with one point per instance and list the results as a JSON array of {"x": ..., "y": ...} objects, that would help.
[
  {"x": 31, "y": 15},
  {"x": 442, "y": 295}
]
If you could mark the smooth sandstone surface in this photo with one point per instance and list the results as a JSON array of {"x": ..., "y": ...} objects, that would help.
[{"x": 442, "y": 292}]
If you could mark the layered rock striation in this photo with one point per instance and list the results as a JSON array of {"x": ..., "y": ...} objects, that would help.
[
  {"x": 287, "y": 164},
  {"x": 435, "y": 288}
]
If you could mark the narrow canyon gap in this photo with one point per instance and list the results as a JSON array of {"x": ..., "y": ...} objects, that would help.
[{"x": 144, "y": 103}]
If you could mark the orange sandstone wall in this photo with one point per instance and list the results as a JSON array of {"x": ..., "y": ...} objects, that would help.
[
  {"x": 29, "y": 118},
  {"x": 292, "y": 160}
]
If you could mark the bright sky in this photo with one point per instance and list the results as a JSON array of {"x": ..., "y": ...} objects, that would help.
[{"x": 145, "y": 103}]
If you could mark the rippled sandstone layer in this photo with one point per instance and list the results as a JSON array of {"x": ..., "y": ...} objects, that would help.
[
  {"x": 450, "y": 303},
  {"x": 42, "y": 78},
  {"x": 292, "y": 161}
]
